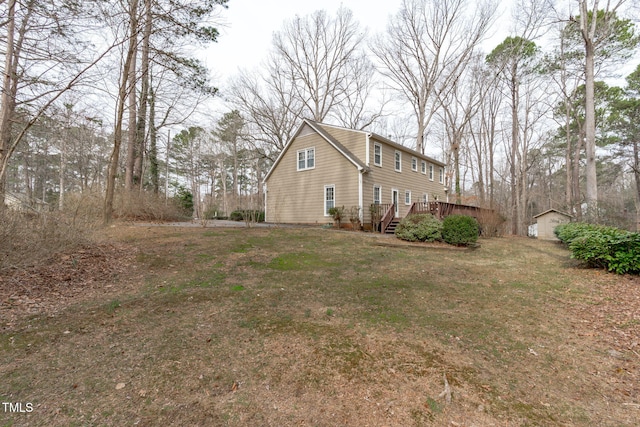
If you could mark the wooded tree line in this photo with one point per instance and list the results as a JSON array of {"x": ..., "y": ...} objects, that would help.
[{"x": 544, "y": 118}]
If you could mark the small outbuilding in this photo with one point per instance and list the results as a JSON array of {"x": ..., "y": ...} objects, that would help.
[{"x": 547, "y": 221}]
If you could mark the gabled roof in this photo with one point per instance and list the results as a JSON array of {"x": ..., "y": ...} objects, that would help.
[
  {"x": 326, "y": 136},
  {"x": 553, "y": 210},
  {"x": 391, "y": 143}
]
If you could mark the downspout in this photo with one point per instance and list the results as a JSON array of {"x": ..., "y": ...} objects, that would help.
[
  {"x": 264, "y": 189},
  {"x": 361, "y": 195},
  {"x": 367, "y": 152},
  {"x": 360, "y": 179}
]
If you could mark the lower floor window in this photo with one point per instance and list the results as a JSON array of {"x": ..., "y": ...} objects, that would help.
[
  {"x": 377, "y": 191},
  {"x": 407, "y": 197},
  {"x": 329, "y": 198}
]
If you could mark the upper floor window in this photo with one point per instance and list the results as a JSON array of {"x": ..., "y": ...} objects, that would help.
[
  {"x": 377, "y": 154},
  {"x": 431, "y": 172},
  {"x": 424, "y": 167},
  {"x": 306, "y": 159},
  {"x": 441, "y": 179},
  {"x": 398, "y": 161},
  {"x": 414, "y": 164}
]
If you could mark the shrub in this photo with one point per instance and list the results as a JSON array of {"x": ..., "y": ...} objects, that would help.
[
  {"x": 600, "y": 246},
  {"x": 184, "y": 199},
  {"x": 354, "y": 217},
  {"x": 419, "y": 227},
  {"x": 247, "y": 215},
  {"x": 569, "y": 231},
  {"x": 337, "y": 214},
  {"x": 460, "y": 230},
  {"x": 32, "y": 238},
  {"x": 144, "y": 206}
]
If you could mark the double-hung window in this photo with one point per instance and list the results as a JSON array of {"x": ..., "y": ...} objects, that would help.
[
  {"x": 398, "y": 158},
  {"x": 424, "y": 167},
  {"x": 306, "y": 159},
  {"x": 329, "y": 198},
  {"x": 377, "y": 194},
  {"x": 414, "y": 164},
  {"x": 377, "y": 154},
  {"x": 430, "y": 172},
  {"x": 407, "y": 197},
  {"x": 441, "y": 178}
]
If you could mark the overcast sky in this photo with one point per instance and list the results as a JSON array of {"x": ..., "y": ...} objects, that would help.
[{"x": 246, "y": 37}]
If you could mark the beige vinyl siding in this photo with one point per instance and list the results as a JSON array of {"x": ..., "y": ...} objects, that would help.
[
  {"x": 298, "y": 196},
  {"x": 353, "y": 140},
  {"x": 388, "y": 178}
]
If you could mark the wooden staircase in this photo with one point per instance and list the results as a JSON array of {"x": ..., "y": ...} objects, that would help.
[{"x": 391, "y": 228}]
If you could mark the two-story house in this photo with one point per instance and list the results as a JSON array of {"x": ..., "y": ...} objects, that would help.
[{"x": 325, "y": 166}]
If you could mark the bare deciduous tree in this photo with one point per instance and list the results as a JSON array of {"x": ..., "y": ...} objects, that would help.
[{"x": 427, "y": 45}]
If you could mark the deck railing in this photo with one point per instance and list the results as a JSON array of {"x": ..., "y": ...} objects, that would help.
[
  {"x": 387, "y": 217},
  {"x": 436, "y": 208}
]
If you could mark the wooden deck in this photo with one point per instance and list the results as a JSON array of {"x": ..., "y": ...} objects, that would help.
[{"x": 382, "y": 215}]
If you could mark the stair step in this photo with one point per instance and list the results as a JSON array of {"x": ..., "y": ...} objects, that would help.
[{"x": 391, "y": 228}]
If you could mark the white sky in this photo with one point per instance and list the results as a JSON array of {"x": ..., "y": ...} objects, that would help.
[{"x": 250, "y": 24}]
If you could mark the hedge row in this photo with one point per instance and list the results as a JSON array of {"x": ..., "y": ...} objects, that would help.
[
  {"x": 602, "y": 246},
  {"x": 459, "y": 230}
]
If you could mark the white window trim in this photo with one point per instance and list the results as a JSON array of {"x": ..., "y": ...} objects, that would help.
[
  {"x": 324, "y": 198},
  {"x": 414, "y": 164},
  {"x": 441, "y": 175},
  {"x": 423, "y": 166},
  {"x": 306, "y": 159},
  {"x": 425, "y": 197},
  {"x": 375, "y": 144},
  {"x": 431, "y": 172},
  {"x": 379, "y": 187},
  {"x": 407, "y": 193},
  {"x": 398, "y": 162}
]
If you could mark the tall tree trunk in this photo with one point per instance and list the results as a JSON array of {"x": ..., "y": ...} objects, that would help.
[
  {"x": 153, "y": 144},
  {"x": 636, "y": 175},
  {"x": 126, "y": 87},
  {"x": 144, "y": 99},
  {"x": 7, "y": 106},
  {"x": 515, "y": 228},
  {"x": 590, "y": 135},
  {"x": 588, "y": 30},
  {"x": 575, "y": 178},
  {"x": 131, "y": 133}
]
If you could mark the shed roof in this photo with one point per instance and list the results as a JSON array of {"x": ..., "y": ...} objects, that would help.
[{"x": 553, "y": 210}]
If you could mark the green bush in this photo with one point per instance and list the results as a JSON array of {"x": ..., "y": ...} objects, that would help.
[
  {"x": 460, "y": 230},
  {"x": 247, "y": 215},
  {"x": 569, "y": 231},
  {"x": 600, "y": 246},
  {"x": 419, "y": 227},
  {"x": 184, "y": 199}
]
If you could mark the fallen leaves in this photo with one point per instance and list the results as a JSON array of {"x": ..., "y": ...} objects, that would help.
[{"x": 63, "y": 280}]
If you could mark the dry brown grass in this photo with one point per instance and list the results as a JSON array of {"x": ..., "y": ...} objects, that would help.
[
  {"x": 28, "y": 239},
  {"x": 145, "y": 206},
  {"x": 293, "y": 327}
]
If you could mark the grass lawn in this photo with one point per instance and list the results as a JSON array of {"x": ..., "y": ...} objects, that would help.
[{"x": 291, "y": 327}]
